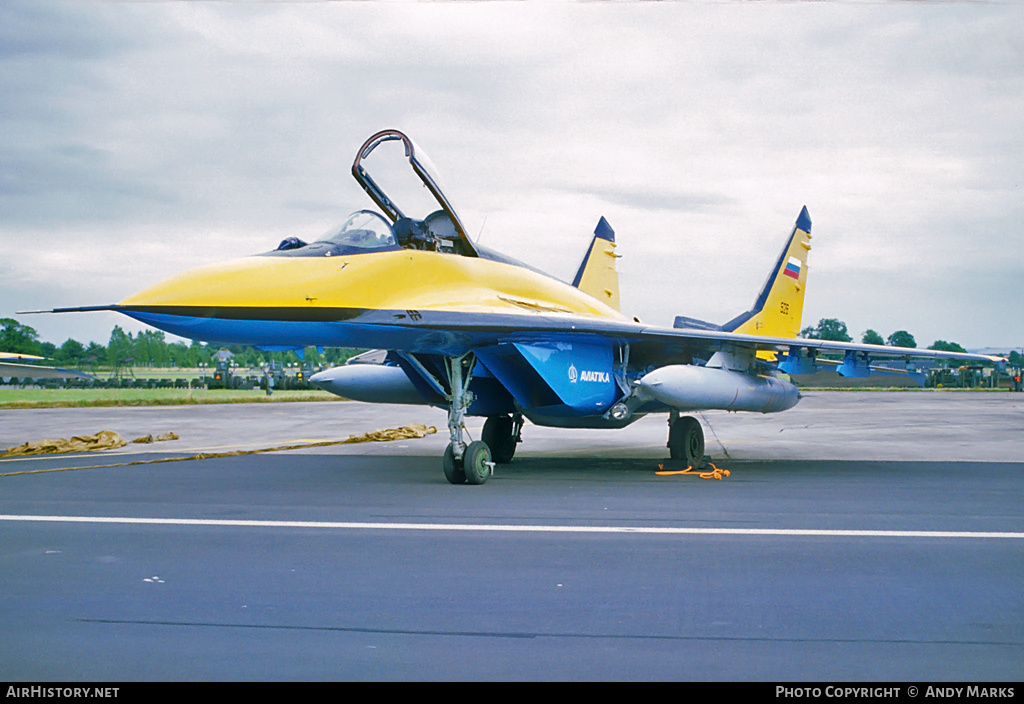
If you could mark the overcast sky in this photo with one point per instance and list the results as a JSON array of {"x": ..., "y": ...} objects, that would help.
[{"x": 141, "y": 139}]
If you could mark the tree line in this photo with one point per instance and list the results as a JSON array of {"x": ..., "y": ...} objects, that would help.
[
  {"x": 834, "y": 329},
  {"x": 149, "y": 348}
]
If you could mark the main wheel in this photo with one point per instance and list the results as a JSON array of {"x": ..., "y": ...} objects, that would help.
[
  {"x": 499, "y": 437},
  {"x": 453, "y": 471},
  {"x": 476, "y": 463},
  {"x": 686, "y": 441}
]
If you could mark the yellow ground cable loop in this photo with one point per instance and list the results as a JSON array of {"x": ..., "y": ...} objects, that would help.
[
  {"x": 406, "y": 432},
  {"x": 715, "y": 472}
]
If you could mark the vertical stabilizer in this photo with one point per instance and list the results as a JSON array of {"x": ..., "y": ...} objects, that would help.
[
  {"x": 780, "y": 305},
  {"x": 597, "y": 274}
]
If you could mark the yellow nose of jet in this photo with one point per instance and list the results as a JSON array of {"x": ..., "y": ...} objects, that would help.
[
  {"x": 249, "y": 282},
  {"x": 391, "y": 285}
]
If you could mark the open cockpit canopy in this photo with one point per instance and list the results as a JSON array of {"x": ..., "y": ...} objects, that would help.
[
  {"x": 417, "y": 224},
  {"x": 438, "y": 230}
]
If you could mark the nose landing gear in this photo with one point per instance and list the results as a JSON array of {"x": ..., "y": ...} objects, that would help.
[{"x": 463, "y": 464}]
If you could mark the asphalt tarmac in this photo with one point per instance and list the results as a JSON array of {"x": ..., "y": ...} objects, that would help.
[{"x": 860, "y": 536}]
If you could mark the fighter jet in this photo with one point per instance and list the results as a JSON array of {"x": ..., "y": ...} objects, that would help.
[{"x": 477, "y": 333}]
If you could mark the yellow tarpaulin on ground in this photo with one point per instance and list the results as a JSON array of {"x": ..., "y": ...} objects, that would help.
[
  {"x": 108, "y": 440},
  {"x": 159, "y": 438},
  {"x": 103, "y": 440},
  {"x": 416, "y": 430}
]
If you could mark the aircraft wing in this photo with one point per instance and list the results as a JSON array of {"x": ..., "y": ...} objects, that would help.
[
  {"x": 34, "y": 371},
  {"x": 18, "y": 356},
  {"x": 453, "y": 332},
  {"x": 458, "y": 333},
  {"x": 710, "y": 338}
]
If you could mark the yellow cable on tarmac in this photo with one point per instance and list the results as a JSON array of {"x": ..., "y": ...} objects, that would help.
[{"x": 715, "y": 472}]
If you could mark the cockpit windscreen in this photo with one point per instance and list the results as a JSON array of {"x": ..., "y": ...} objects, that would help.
[{"x": 365, "y": 230}]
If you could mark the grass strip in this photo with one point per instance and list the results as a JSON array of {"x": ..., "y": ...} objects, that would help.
[{"x": 84, "y": 398}]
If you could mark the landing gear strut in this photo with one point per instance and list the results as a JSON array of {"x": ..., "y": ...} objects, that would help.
[
  {"x": 685, "y": 439},
  {"x": 501, "y": 433},
  {"x": 463, "y": 464}
]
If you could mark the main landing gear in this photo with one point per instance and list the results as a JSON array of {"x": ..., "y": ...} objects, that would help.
[
  {"x": 685, "y": 439},
  {"x": 502, "y": 433}
]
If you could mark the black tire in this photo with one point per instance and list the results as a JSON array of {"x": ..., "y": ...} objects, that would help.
[
  {"x": 475, "y": 463},
  {"x": 686, "y": 441},
  {"x": 453, "y": 471},
  {"x": 498, "y": 436}
]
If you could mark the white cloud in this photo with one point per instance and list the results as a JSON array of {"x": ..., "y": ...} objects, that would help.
[{"x": 160, "y": 136}]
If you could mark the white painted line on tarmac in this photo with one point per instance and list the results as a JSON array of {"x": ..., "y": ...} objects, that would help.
[{"x": 508, "y": 528}]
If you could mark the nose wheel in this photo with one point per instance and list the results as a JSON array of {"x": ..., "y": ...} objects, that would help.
[{"x": 453, "y": 470}]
